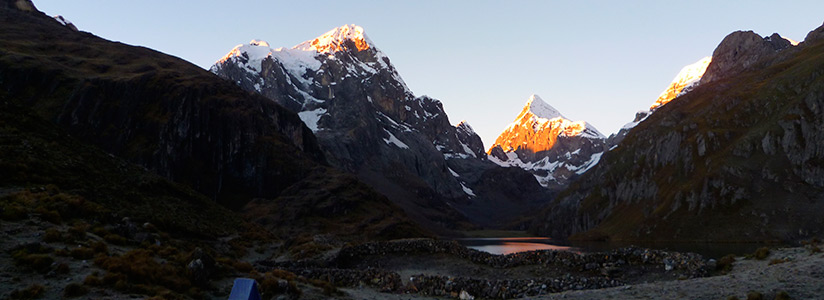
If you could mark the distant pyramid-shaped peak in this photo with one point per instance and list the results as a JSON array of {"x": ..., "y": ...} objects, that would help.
[
  {"x": 538, "y": 126},
  {"x": 540, "y": 108},
  {"x": 346, "y": 37}
]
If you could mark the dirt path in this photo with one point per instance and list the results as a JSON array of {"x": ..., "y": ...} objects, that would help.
[{"x": 801, "y": 277}]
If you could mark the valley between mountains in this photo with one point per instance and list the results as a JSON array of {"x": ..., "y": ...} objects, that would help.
[{"x": 317, "y": 172}]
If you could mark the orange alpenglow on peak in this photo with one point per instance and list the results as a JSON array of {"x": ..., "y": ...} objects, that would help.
[
  {"x": 538, "y": 127},
  {"x": 686, "y": 79},
  {"x": 335, "y": 39}
]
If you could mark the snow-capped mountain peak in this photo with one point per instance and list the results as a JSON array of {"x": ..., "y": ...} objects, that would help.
[
  {"x": 336, "y": 40},
  {"x": 252, "y": 53},
  {"x": 540, "y": 108},
  {"x": 260, "y": 43},
  {"x": 687, "y": 79},
  {"x": 542, "y": 141},
  {"x": 306, "y": 58},
  {"x": 537, "y": 115}
]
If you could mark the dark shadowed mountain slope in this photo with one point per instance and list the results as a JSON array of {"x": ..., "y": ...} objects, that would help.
[
  {"x": 155, "y": 110},
  {"x": 172, "y": 118},
  {"x": 740, "y": 157}
]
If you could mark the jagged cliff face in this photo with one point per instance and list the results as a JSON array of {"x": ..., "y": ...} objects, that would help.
[
  {"x": 742, "y": 51},
  {"x": 737, "y": 158},
  {"x": 155, "y": 110},
  {"x": 543, "y": 142},
  {"x": 369, "y": 122}
]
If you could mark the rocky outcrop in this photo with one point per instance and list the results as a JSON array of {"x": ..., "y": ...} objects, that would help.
[
  {"x": 470, "y": 140},
  {"x": 65, "y": 22},
  {"x": 733, "y": 160},
  {"x": 22, "y": 5},
  {"x": 815, "y": 35},
  {"x": 742, "y": 51}
]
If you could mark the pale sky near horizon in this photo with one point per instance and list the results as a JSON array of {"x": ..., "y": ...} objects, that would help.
[{"x": 598, "y": 61}]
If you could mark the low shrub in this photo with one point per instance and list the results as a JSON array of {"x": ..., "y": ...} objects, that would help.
[
  {"x": 242, "y": 266},
  {"x": 138, "y": 271},
  {"x": 92, "y": 280},
  {"x": 13, "y": 211},
  {"x": 725, "y": 264},
  {"x": 100, "y": 247},
  {"x": 49, "y": 215},
  {"x": 33, "y": 291},
  {"x": 115, "y": 239},
  {"x": 272, "y": 284},
  {"x": 62, "y": 268},
  {"x": 753, "y": 295},
  {"x": 761, "y": 253},
  {"x": 82, "y": 253},
  {"x": 782, "y": 295},
  {"x": 36, "y": 261},
  {"x": 78, "y": 231},
  {"x": 74, "y": 290},
  {"x": 52, "y": 235}
]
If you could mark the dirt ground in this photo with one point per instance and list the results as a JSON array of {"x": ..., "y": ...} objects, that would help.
[
  {"x": 801, "y": 277},
  {"x": 796, "y": 271}
]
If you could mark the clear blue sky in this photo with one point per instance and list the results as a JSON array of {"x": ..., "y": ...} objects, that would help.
[{"x": 599, "y": 61}]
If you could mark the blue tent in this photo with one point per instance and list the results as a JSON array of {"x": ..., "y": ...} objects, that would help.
[{"x": 244, "y": 289}]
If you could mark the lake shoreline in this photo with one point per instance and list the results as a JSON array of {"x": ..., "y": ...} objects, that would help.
[
  {"x": 444, "y": 268},
  {"x": 509, "y": 244}
]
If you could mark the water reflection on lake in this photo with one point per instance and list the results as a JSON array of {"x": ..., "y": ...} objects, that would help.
[{"x": 513, "y": 245}]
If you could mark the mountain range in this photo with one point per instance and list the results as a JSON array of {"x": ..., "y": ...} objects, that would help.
[
  {"x": 125, "y": 171},
  {"x": 369, "y": 123},
  {"x": 278, "y": 125}
]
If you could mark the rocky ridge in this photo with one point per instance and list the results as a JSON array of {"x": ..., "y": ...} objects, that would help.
[
  {"x": 742, "y": 51},
  {"x": 687, "y": 79},
  {"x": 733, "y": 160},
  {"x": 736, "y": 53}
]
